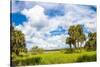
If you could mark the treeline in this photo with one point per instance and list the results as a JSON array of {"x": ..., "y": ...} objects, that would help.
[{"x": 77, "y": 38}]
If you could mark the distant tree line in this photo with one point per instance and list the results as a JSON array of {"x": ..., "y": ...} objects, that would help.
[{"x": 36, "y": 50}]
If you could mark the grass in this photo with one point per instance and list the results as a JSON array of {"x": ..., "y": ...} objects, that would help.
[
  {"x": 56, "y": 58},
  {"x": 53, "y": 58}
]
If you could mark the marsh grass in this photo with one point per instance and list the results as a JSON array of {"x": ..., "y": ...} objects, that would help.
[{"x": 55, "y": 58}]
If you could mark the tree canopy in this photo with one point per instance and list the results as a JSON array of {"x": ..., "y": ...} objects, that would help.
[
  {"x": 76, "y": 35},
  {"x": 77, "y": 38},
  {"x": 17, "y": 41},
  {"x": 91, "y": 43}
]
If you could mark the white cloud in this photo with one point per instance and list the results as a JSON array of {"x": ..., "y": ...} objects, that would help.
[
  {"x": 39, "y": 24},
  {"x": 35, "y": 13}
]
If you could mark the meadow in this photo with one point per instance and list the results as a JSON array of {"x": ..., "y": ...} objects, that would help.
[{"x": 54, "y": 58}]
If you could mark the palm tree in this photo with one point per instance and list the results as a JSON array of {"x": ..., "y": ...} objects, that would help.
[
  {"x": 79, "y": 33},
  {"x": 71, "y": 32},
  {"x": 91, "y": 43},
  {"x": 82, "y": 39},
  {"x": 68, "y": 41},
  {"x": 76, "y": 34},
  {"x": 17, "y": 42}
]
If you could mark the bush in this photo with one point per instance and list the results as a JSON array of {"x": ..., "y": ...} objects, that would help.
[
  {"x": 69, "y": 51},
  {"x": 27, "y": 61},
  {"x": 74, "y": 51},
  {"x": 37, "y": 51},
  {"x": 23, "y": 54},
  {"x": 87, "y": 58}
]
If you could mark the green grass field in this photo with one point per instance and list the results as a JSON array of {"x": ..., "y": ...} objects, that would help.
[{"x": 55, "y": 58}]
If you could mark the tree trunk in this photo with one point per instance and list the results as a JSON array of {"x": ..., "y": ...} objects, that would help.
[
  {"x": 70, "y": 48},
  {"x": 75, "y": 46},
  {"x": 78, "y": 45}
]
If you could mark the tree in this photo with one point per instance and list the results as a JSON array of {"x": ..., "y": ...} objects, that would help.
[
  {"x": 71, "y": 32},
  {"x": 17, "y": 41},
  {"x": 76, "y": 34},
  {"x": 82, "y": 39},
  {"x": 91, "y": 43},
  {"x": 68, "y": 41},
  {"x": 36, "y": 50}
]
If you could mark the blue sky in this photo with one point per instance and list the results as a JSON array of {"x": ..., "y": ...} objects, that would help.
[
  {"x": 55, "y": 11},
  {"x": 46, "y": 24},
  {"x": 18, "y": 18}
]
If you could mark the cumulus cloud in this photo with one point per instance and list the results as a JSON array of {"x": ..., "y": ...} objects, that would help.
[{"x": 39, "y": 27}]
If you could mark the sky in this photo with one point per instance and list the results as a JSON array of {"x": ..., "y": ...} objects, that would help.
[{"x": 46, "y": 24}]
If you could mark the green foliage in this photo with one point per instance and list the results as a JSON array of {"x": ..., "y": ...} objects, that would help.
[
  {"x": 69, "y": 41},
  {"x": 55, "y": 58},
  {"x": 76, "y": 35},
  {"x": 68, "y": 51},
  {"x": 91, "y": 43},
  {"x": 72, "y": 37},
  {"x": 36, "y": 50},
  {"x": 87, "y": 58},
  {"x": 18, "y": 46},
  {"x": 27, "y": 61},
  {"x": 17, "y": 42}
]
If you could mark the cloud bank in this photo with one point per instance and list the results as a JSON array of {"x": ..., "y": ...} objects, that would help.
[{"x": 47, "y": 23}]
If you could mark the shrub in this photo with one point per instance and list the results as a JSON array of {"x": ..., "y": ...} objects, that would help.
[
  {"x": 87, "y": 58},
  {"x": 69, "y": 51},
  {"x": 27, "y": 61},
  {"x": 37, "y": 51}
]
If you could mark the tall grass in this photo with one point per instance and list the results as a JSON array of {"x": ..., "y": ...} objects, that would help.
[
  {"x": 27, "y": 61},
  {"x": 87, "y": 58},
  {"x": 56, "y": 58}
]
